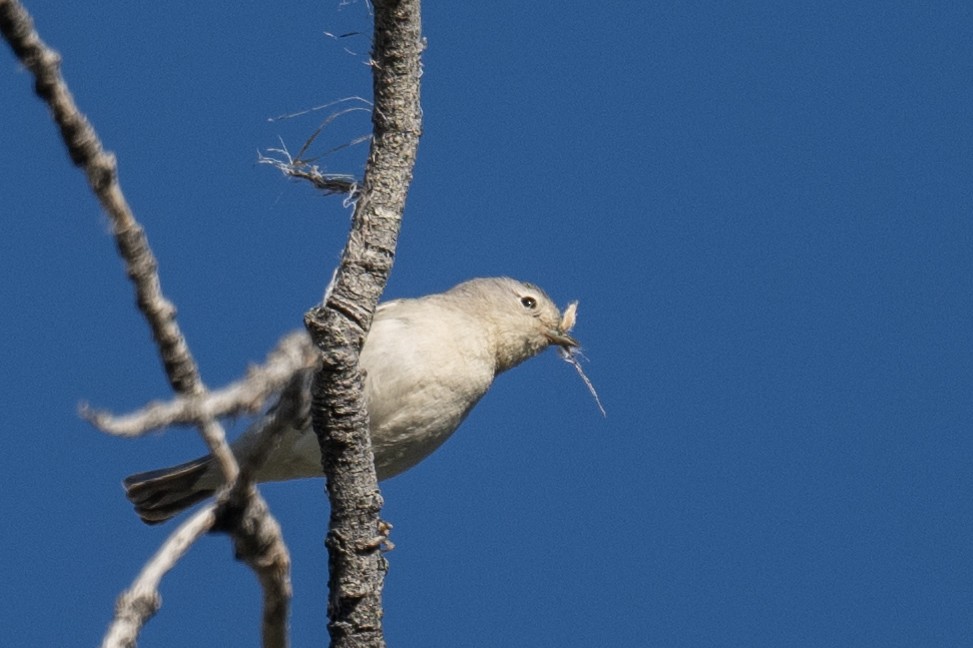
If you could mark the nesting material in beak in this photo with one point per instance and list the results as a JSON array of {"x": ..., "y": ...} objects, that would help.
[
  {"x": 569, "y": 348},
  {"x": 562, "y": 340}
]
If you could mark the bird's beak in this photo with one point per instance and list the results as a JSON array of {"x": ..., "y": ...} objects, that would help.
[
  {"x": 563, "y": 340},
  {"x": 559, "y": 335}
]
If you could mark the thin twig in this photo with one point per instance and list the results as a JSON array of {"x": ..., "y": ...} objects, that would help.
[
  {"x": 243, "y": 397},
  {"x": 141, "y": 601}
]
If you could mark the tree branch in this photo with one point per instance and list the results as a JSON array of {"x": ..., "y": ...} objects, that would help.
[
  {"x": 100, "y": 168},
  {"x": 258, "y": 542},
  {"x": 256, "y": 534},
  {"x": 356, "y": 533},
  {"x": 246, "y": 396},
  {"x": 141, "y": 601}
]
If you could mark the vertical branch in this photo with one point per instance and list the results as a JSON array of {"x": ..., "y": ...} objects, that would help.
[{"x": 338, "y": 327}]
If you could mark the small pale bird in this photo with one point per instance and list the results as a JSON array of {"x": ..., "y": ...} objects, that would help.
[{"x": 427, "y": 362}]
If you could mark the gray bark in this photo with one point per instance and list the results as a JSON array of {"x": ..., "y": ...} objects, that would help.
[{"x": 356, "y": 534}]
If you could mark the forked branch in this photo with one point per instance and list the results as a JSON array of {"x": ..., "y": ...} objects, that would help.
[{"x": 254, "y": 532}]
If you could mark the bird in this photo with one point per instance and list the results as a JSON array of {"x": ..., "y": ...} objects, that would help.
[{"x": 426, "y": 361}]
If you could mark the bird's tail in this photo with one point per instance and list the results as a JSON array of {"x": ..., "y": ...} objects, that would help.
[{"x": 160, "y": 494}]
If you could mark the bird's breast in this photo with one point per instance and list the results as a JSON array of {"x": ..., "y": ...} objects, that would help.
[{"x": 419, "y": 386}]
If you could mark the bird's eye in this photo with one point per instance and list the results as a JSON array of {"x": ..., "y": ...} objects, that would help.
[{"x": 528, "y": 302}]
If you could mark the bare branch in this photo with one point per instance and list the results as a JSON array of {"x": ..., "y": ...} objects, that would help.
[
  {"x": 141, "y": 601},
  {"x": 257, "y": 541},
  {"x": 356, "y": 534},
  {"x": 246, "y": 396},
  {"x": 86, "y": 152},
  {"x": 256, "y": 534},
  {"x": 242, "y": 512},
  {"x": 100, "y": 167}
]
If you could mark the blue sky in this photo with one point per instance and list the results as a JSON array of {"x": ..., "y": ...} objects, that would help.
[{"x": 764, "y": 210}]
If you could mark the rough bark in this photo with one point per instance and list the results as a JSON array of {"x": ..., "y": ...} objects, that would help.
[{"x": 356, "y": 534}]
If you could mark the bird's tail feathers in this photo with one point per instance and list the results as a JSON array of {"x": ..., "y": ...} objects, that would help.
[{"x": 160, "y": 494}]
